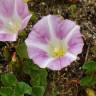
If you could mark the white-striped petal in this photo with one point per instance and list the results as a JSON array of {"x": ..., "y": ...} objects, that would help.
[
  {"x": 37, "y": 45},
  {"x": 46, "y": 62},
  {"x": 71, "y": 33},
  {"x": 51, "y": 29},
  {"x": 70, "y": 55}
]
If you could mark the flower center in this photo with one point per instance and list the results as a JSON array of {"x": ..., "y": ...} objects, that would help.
[
  {"x": 58, "y": 50},
  {"x": 14, "y": 26}
]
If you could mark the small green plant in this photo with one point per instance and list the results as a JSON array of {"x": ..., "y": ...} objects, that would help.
[
  {"x": 90, "y": 69},
  {"x": 34, "y": 85},
  {"x": 38, "y": 77},
  {"x": 12, "y": 87}
]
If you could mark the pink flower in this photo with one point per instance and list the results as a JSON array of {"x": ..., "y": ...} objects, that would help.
[
  {"x": 14, "y": 16},
  {"x": 54, "y": 43}
]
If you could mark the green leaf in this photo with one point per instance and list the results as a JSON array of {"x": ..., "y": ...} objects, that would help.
[
  {"x": 22, "y": 88},
  {"x": 88, "y": 81},
  {"x": 90, "y": 66},
  {"x": 38, "y": 91},
  {"x": 39, "y": 76},
  {"x": 29, "y": 66},
  {"x": 22, "y": 51},
  {"x": 43, "y": 77},
  {"x": 8, "y": 79},
  {"x": 6, "y": 91}
]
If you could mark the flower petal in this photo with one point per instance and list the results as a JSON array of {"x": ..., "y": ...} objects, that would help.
[
  {"x": 22, "y": 9},
  {"x": 6, "y": 7},
  {"x": 41, "y": 30},
  {"x": 38, "y": 56},
  {"x": 1, "y": 24},
  {"x": 72, "y": 33},
  {"x": 25, "y": 21},
  {"x": 52, "y": 26},
  {"x": 39, "y": 34},
  {"x": 74, "y": 40},
  {"x": 48, "y": 26},
  {"x": 56, "y": 27},
  {"x": 47, "y": 62},
  {"x": 61, "y": 62},
  {"x": 65, "y": 28},
  {"x": 35, "y": 45},
  {"x": 8, "y": 37},
  {"x": 76, "y": 44}
]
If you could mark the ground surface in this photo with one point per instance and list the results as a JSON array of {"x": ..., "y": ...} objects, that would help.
[{"x": 66, "y": 81}]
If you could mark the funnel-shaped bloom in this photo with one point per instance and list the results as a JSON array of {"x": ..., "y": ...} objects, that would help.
[
  {"x": 54, "y": 43},
  {"x": 14, "y": 16}
]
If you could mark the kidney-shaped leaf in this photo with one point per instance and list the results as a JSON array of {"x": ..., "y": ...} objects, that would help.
[
  {"x": 90, "y": 66},
  {"x": 6, "y": 91},
  {"x": 22, "y": 88},
  {"x": 8, "y": 79},
  {"x": 88, "y": 81},
  {"x": 38, "y": 91}
]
